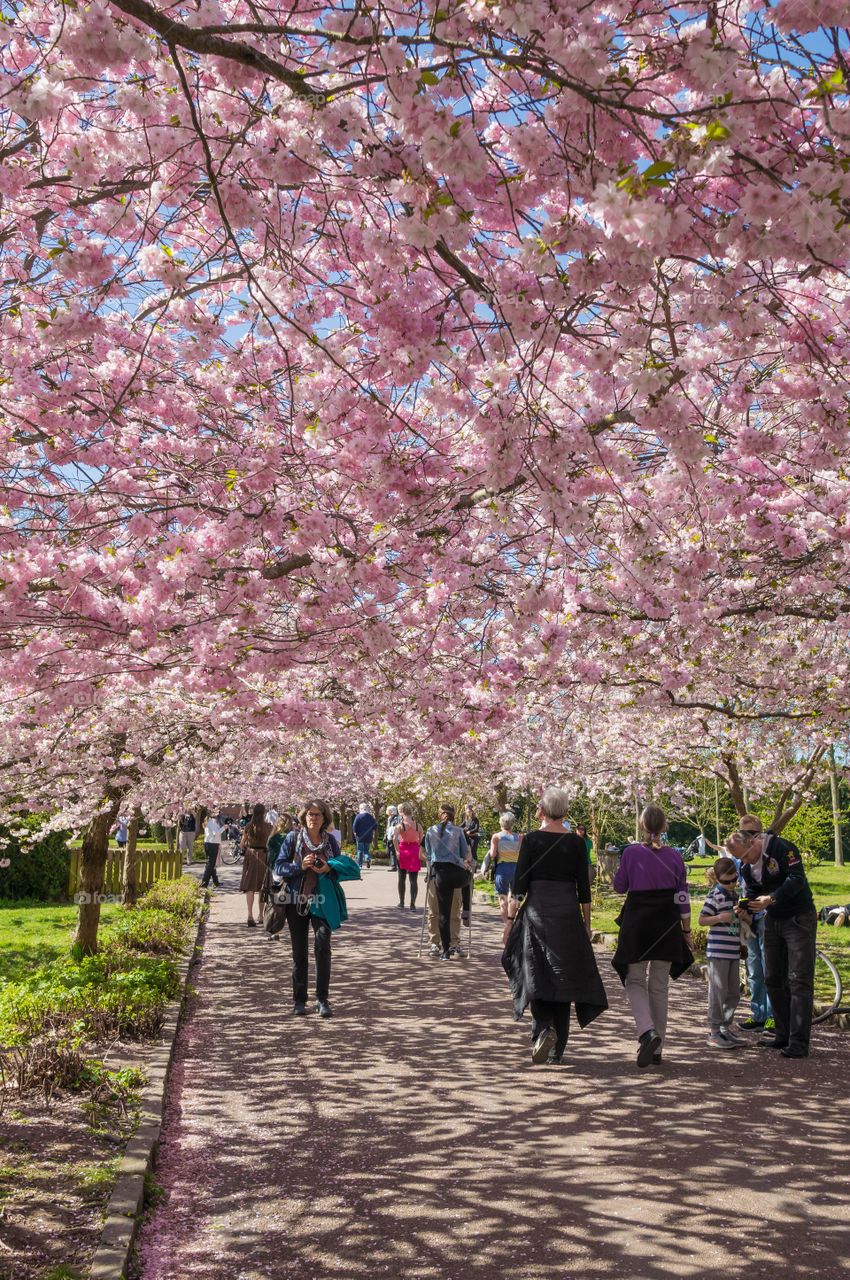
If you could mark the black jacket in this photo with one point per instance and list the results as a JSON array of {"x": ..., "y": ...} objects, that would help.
[
  {"x": 783, "y": 878},
  {"x": 549, "y": 956}
]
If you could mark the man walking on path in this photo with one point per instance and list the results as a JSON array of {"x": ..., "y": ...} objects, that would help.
[
  {"x": 775, "y": 882},
  {"x": 186, "y": 836},
  {"x": 364, "y": 828}
]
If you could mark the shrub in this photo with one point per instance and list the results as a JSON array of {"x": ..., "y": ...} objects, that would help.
[
  {"x": 39, "y": 871},
  {"x": 148, "y": 932},
  {"x": 179, "y": 897}
]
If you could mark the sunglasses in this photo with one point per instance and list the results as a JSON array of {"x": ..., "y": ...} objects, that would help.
[{"x": 728, "y": 879}]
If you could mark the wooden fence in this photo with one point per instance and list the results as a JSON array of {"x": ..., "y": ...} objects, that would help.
[{"x": 151, "y": 864}]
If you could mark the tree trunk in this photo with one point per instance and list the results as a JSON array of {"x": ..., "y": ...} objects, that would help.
[
  {"x": 836, "y": 810},
  {"x": 170, "y": 835},
  {"x": 637, "y": 818},
  {"x": 716, "y": 813},
  {"x": 92, "y": 866},
  {"x": 130, "y": 883},
  {"x": 501, "y": 797}
]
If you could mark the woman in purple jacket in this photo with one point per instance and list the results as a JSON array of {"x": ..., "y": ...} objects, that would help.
[{"x": 655, "y": 930}]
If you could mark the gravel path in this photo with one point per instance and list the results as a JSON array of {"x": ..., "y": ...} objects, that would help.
[{"x": 410, "y": 1136}]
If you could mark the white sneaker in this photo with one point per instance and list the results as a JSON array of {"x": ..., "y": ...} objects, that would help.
[
  {"x": 434, "y": 950},
  {"x": 716, "y": 1041},
  {"x": 729, "y": 1034}
]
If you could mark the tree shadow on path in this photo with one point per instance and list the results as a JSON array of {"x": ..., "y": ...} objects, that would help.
[{"x": 411, "y": 1136}]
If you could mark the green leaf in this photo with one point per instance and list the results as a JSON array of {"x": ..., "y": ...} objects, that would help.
[
  {"x": 455, "y": 129},
  {"x": 429, "y": 77},
  {"x": 658, "y": 169},
  {"x": 716, "y": 132}
]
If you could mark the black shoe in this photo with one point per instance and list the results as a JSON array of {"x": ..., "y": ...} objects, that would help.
[
  {"x": 323, "y": 1009},
  {"x": 656, "y": 1059},
  {"x": 252, "y": 924},
  {"x": 543, "y": 1045},
  {"x": 795, "y": 1051},
  {"x": 464, "y": 918},
  {"x": 445, "y": 955},
  {"x": 554, "y": 1059},
  {"x": 770, "y": 1042},
  {"x": 648, "y": 1045},
  {"x": 299, "y": 1008},
  {"x": 412, "y": 907},
  {"x": 401, "y": 906}
]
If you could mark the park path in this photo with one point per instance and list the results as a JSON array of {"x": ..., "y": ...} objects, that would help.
[{"x": 410, "y": 1136}]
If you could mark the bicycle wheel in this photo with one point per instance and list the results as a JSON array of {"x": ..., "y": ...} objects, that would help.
[
  {"x": 828, "y": 987},
  {"x": 229, "y": 851}
]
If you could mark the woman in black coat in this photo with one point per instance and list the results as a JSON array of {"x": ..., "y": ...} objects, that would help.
[{"x": 548, "y": 957}]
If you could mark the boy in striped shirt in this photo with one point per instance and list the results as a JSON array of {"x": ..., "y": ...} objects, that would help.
[{"x": 723, "y": 952}]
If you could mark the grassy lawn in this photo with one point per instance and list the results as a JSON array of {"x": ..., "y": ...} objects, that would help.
[{"x": 33, "y": 933}]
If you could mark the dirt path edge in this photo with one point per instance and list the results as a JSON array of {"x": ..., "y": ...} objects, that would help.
[{"x": 123, "y": 1211}]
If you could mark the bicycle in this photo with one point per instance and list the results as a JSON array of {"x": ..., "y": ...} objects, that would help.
[{"x": 231, "y": 852}]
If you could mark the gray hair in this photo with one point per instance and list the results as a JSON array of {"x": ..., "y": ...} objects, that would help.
[
  {"x": 554, "y": 803},
  {"x": 364, "y": 808},
  {"x": 507, "y": 820}
]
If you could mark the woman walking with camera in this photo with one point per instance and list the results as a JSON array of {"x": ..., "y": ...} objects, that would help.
[{"x": 303, "y": 862}]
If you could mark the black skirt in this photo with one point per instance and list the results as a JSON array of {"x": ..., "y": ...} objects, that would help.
[
  {"x": 651, "y": 929},
  {"x": 549, "y": 955}
]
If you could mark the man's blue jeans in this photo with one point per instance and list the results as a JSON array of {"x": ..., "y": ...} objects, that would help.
[
  {"x": 364, "y": 852},
  {"x": 760, "y": 1008}
]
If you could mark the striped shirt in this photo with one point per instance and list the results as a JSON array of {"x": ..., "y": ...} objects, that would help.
[{"x": 724, "y": 940}]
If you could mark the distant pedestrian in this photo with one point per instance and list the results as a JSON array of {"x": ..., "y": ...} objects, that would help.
[
  {"x": 723, "y": 953},
  {"x": 121, "y": 831},
  {"x": 255, "y": 840},
  {"x": 389, "y": 838},
  {"x": 503, "y": 854},
  {"x": 581, "y": 830},
  {"x": 408, "y": 838},
  {"x": 450, "y": 864},
  {"x": 655, "y": 930},
  {"x": 471, "y": 828},
  {"x": 364, "y": 827},
  {"x": 213, "y": 832},
  {"x": 186, "y": 830}
]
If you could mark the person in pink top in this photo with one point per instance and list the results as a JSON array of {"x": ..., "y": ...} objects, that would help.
[{"x": 408, "y": 843}]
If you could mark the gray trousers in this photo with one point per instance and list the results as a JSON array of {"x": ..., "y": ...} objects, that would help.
[
  {"x": 646, "y": 992},
  {"x": 724, "y": 991}
]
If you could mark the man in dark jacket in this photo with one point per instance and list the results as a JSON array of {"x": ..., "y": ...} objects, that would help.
[
  {"x": 775, "y": 881},
  {"x": 364, "y": 827}
]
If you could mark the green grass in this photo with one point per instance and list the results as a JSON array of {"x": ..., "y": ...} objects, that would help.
[{"x": 34, "y": 933}]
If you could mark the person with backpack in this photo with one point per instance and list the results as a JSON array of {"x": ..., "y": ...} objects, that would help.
[
  {"x": 408, "y": 839},
  {"x": 655, "y": 930},
  {"x": 364, "y": 827}
]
